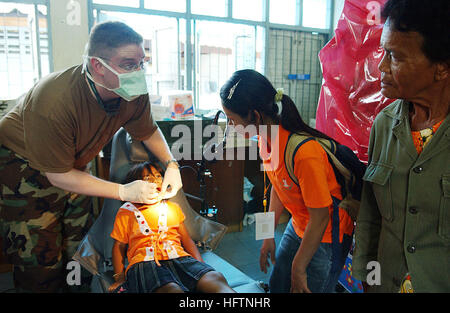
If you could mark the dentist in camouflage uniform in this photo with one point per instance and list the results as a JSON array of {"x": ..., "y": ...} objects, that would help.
[{"x": 48, "y": 139}]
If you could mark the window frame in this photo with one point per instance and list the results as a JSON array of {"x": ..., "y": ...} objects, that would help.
[
  {"x": 36, "y": 37},
  {"x": 190, "y": 18}
]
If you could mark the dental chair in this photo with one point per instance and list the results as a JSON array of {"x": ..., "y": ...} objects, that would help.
[{"x": 95, "y": 250}]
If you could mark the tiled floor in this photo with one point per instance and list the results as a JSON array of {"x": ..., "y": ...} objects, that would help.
[{"x": 242, "y": 250}]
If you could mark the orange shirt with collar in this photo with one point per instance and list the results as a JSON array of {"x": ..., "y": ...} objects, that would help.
[
  {"x": 317, "y": 183},
  {"x": 126, "y": 230}
]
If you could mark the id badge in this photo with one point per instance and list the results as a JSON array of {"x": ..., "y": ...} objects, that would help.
[{"x": 265, "y": 225}]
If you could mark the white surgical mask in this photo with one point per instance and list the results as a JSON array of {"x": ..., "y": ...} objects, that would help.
[{"x": 131, "y": 85}]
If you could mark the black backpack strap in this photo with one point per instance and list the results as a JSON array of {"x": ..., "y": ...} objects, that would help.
[{"x": 335, "y": 234}]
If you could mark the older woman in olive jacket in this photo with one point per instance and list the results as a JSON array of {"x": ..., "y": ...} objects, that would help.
[{"x": 404, "y": 219}]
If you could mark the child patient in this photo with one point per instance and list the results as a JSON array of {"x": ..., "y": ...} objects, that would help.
[{"x": 162, "y": 256}]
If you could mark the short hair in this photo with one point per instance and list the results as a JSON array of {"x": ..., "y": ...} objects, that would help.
[
  {"x": 109, "y": 35},
  {"x": 431, "y": 19}
]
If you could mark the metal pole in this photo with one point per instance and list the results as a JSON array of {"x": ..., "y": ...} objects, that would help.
[
  {"x": 38, "y": 41},
  {"x": 188, "y": 53}
]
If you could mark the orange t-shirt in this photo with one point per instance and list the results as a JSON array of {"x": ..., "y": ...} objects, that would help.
[
  {"x": 317, "y": 183},
  {"x": 127, "y": 230}
]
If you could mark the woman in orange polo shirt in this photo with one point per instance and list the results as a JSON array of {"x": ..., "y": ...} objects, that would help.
[{"x": 307, "y": 259}]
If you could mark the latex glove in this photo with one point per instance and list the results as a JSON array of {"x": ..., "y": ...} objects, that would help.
[
  {"x": 139, "y": 191},
  {"x": 171, "y": 183}
]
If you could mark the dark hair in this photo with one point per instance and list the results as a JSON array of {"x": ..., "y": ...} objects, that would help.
[
  {"x": 255, "y": 92},
  {"x": 110, "y": 35},
  {"x": 431, "y": 19},
  {"x": 137, "y": 171}
]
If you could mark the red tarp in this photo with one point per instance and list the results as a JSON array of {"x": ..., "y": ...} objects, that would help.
[{"x": 350, "y": 97}]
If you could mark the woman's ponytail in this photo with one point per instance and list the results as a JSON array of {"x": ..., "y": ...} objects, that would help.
[{"x": 291, "y": 120}]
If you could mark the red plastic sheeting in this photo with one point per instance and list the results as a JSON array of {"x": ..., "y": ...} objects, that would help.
[{"x": 350, "y": 97}]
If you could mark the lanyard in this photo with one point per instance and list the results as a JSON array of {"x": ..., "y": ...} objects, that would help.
[
  {"x": 266, "y": 188},
  {"x": 110, "y": 108}
]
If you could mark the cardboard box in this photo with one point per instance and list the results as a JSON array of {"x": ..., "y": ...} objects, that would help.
[{"x": 180, "y": 104}]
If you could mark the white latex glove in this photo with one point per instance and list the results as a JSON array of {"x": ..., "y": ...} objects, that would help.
[
  {"x": 171, "y": 183},
  {"x": 139, "y": 191}
]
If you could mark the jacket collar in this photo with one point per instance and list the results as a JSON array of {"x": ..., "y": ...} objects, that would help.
[
  {"x": 402, "y": 130},
  {"x": 397, "y": 110},
  {"x": 439, "y": 142},
  {"x": 401, "y": 127}
]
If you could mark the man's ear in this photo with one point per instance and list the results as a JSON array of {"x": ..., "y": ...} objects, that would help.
[
  {"x": 96, "y": 66},
  {"x": 442, "y": 71}
]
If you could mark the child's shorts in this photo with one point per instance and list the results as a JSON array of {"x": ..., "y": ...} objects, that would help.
[{"x": 146, "y": 277}]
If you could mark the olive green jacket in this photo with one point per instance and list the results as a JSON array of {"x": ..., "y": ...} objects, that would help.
[{"x": 404, "y": 218}]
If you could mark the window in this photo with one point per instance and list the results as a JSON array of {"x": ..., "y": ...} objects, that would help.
[
  {"x": 219, "y": 45},
  {"x": 296, "y": 52},
  {"x": 22, "y": 60},
  {"x": 314, "y": 13},
  {"x": 283, "y": 12},
  {"x": 128, "y": 3},
  {"x": 248, "y": 9},
  {"x": 221, "y": 49},
  {"x": 209, "y": 7},
  {"x": 172, "y": 5}
]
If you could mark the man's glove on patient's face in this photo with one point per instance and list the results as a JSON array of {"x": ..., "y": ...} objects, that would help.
[{"x": 138, "y": 191}]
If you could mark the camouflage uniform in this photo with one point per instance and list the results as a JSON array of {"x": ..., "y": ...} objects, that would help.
[{"x": 41, "y": 225}]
